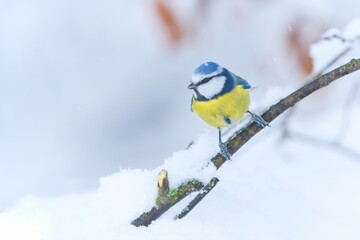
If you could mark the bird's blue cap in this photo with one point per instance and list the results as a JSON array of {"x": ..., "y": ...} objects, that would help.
[{"x": 207, "y": 68}]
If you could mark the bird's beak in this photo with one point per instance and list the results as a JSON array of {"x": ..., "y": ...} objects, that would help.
[{"x": 191, "y": 86}]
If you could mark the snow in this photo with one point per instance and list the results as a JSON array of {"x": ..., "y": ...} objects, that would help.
[
  {"x": 77, "y": 98},
  {"x": 257, "y": 198},
  {"x": 301, "y": 192},
  {"x": 272, "y": 189}
]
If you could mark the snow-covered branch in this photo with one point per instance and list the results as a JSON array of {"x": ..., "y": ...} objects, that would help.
[
  {"x": 166, "y": 198},
  {"x": 165, "y": 202}
]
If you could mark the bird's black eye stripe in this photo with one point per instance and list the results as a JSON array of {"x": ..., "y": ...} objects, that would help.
[{"x": 205, "y": 80}]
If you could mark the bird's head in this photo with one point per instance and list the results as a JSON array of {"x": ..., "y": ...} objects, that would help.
[{"x": 210, "y": 80}]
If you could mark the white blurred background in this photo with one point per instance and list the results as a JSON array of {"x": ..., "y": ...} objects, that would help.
[{"x": 89, "y": 87}]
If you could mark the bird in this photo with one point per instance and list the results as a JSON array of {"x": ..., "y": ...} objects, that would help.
[{"x": 220, "y": 98}]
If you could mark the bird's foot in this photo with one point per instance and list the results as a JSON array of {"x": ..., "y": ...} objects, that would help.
[
  {"x": 259, "y": 120},
  {"x": 224, "y": 151}
]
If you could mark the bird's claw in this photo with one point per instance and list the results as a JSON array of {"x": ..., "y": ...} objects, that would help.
[
  {"x": 259, "y": 120},
  {"x": 224, "y": 151}
]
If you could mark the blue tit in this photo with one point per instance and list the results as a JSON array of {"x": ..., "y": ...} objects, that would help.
[{"x": 220, "y": 98}]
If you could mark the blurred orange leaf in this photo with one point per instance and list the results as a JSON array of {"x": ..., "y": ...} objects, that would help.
[
  {"x": 301, "y": 36},
  {"x": 171, "y": 25},
  {"x": 301, "y": 49}
]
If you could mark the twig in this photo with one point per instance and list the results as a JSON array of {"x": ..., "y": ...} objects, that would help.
[
  {"x": 335, "y": 59},
  {"x": 243, "y": 136},
  {"x": 341, "y": 38},
  {"x": 198, "y": 198},
  {"x": 285, "y": 124},
  {"x": 318, "y": 74},
  {"x": 346, "y": 112},
  {"x": 339, "y": 55},
  {"x": 333, "y": 145}
]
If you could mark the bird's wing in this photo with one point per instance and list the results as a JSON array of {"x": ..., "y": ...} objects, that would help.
[
  {"x": 192, "y": 100},
  {"x": 242, "y": 82}
]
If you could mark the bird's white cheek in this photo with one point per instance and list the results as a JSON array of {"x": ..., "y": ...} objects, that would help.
[
  {"x": 196, "y": 95},
  {"x": 212, "y": 88}
]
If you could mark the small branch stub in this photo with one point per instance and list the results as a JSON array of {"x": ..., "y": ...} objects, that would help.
[
  {"x": 163, "y": 188},
  {"x": 166, "y": 198}
]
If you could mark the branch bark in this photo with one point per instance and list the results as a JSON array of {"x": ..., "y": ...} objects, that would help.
[{"x": 244, "y": 135}]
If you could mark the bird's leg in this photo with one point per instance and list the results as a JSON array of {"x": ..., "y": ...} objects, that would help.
[
  {"x": 223, "y": 148},
  {"x": 259, "y": 120}
]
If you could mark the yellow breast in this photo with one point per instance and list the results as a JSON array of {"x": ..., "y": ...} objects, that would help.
[{"x": 223, "y": 110}]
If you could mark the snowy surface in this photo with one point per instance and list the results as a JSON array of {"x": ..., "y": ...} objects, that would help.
[
  {"x": 84, "y": 83},
  {"x": 274, "y": 188},
  {"x": 74, "y": 76}
]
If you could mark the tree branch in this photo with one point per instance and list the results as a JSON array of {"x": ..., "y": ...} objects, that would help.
[
  {"x": 243, "y": 136},
  {"x": 198, "y": 198}
]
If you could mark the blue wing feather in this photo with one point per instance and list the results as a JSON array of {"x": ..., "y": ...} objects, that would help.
[{"x": 242, "y": 82}]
